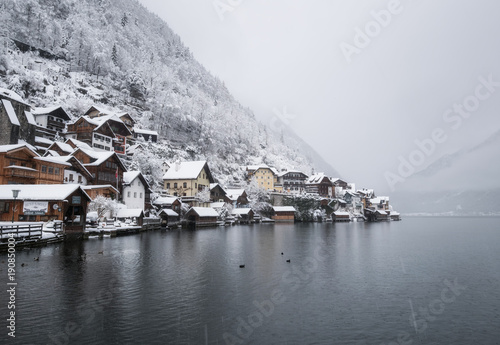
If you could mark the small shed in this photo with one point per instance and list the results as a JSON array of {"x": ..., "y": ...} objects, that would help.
[
  {"x": 169, "y": 217},
  {"x": 245, "y": 215},
  {"x": 136, "y": 214},
  {"x": 201, "y": 216},
  {"x": 284, "y": 213},
  {"x": 341, "y": 216}
]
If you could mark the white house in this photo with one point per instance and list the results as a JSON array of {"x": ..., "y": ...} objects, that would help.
[{"x": 135, "y": 190}]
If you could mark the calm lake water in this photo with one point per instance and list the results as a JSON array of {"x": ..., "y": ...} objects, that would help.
[{"x": 418, "y": 281}]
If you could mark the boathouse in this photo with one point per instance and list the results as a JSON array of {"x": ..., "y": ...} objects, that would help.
[
  {"x": 284, "y": 213},
  {"x": 243, "y": 215},
  {"x": 201, "y": 216}
]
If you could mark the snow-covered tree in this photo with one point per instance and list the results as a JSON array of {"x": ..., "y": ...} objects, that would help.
[{"x": 104, "y": 206}]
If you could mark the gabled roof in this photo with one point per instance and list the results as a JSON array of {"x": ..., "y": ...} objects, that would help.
[
  {"x": 129, "y": 213},
  {"x": 130, "y": 176},
  {"x": 145, "y": 131},
  {"x": 169, "y": 212},
  {"x": 188, "y": 171},
  {"x": 44, "y": 192},
  {"x": 253, "y": 168},
  {"x": 284, "y": 209},
  {"x": 62, "y": 146},
  {"x": 12, "y": 95},
  {"x": 9, "y": 148},
  {"x": 77, "y": 144},
  {"x": 234, "y": 194},
  {"x": 74, "y": 162},
  {"x": 51, "y": 159},
  {"x": 9, "y": 109},
  {"x": 100, "y": 186},
  {"x": 56, "y": 110},
  {"x": 166, "y": 200},
  {"x": 283, "y": 173},
  {"x": 240, "y": 211},
  {"x": 203, "y": 211},
  {"x": 317, "y": 178}
]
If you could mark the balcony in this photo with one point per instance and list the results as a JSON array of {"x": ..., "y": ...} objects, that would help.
[{"x": 18, "y": 171}]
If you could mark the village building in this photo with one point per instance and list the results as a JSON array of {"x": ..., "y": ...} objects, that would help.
[
  {"x": 16, "y": 120},
  {"x": 236, "y": 197},
  {"x": 50, "y": 121},
  {"x": 293, "y": 181},
  {"x": 107, "y": 191},
  {"x": 284, "y": 213},
  {"x": 21, "y": 164},
  {"x": 201, "y": 217},
  {"x": 42, "y": 202},
  {"x": 243, "y": 215},
  {"x": 164, "y": 167},
  {"x": 145, "y": 134},
  {"x": 186, "y": 179},
  {"x": 132, "y": 214},
  {"x": 168, "y": 202},
  {"x": 265, "y": 176},
  {"x": 217, "y": 193},
  {"x": 319, "y": 184},
  {"x": 169, "y": 217},
  {"x": 136, "y": 191}
]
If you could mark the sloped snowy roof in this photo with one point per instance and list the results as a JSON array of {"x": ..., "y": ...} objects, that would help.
[
  {"x": 79, "y": 144},
  {"x": 43, "y": 140},
  {"x": 316, "y": 178},
  {"x": 99, "y": 156},
  {"x": 341, "y": 213},
  {"x": 240, "y": 211},
  {"x": 99, "y": 186},
  {"x": 51, "y": 159},
  {"x": 47, "y": 110},
  {"x": 185, "y": 170},
  {"x": 218, "y": 204},
  {"x": 284, "y": 209},
  {"x": 39, "y": 191},
  {"x": 130, "y": 176},
  {"x": 234, "y": 194},
  {"x": 129, "y": 212},
  {"x": 7, "y": 148},
  {"x": 261, "y": 166},
  {"x": 31, "y": 119},
  {"x": 169, "y": 212},
  {"x": 12, "y": 95},
  {"x": 165, "y": 200},
  {"x": 145, "y": 131},
  {"x": 381, "y": 212},
  {"x": 204, "y": 211},
  {"x": 10, "y": 112},
  {"x": 64, "y": 147},
  {"x": 283, "y": 173}
]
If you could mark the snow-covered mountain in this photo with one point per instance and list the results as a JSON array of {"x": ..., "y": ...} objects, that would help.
[{"x": 117, "y": 54}]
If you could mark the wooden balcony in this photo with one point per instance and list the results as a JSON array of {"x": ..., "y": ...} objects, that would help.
[{"x": 24, "y": 172}]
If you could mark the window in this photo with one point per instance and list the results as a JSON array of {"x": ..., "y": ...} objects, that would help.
[
  {"x": 56, "y": 171},
  {"x": 70, "y": 177},
  {"x": 80, "y": 179},
  {"x": 44, "y": 168},
  {"x": 135, "y": 194},
  {"x": 140, "y": 195},
  {"x": 195, "y": 185},
  {"x": 128, "y": 194},
  {"x": 175, "y": 184},
  {"x": 184, "y": 185},
  {"x": 168, "y": 185},
  {"x": 4, "y": 206},
  {"x": 183, "y": 194}
]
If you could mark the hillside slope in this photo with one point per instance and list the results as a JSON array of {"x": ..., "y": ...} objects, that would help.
[{"x": 118, "y": 54}]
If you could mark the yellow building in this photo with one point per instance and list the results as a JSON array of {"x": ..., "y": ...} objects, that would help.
[
  {"x": 265, "y": 176},
  {"x": 187, "y": 178}
]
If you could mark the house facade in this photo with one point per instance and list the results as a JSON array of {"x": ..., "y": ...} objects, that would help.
[
  {"x": 16, "y": 121},
  {"x": 319, "y": 184},
  {"x": 136, "y": 192},
  {"x": 265, "y": 176},
  {"x": 186, "y": 179},
  {"x": 293, "y": 181}
]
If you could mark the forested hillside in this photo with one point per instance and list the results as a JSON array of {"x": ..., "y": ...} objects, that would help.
[{"x": 118, "y": 54}]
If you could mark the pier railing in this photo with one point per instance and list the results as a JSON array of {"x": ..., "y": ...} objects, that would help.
[{"x": 25, "y": 230}]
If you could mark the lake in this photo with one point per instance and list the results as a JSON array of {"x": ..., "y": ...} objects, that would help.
[{"x": 418, "y": 281}]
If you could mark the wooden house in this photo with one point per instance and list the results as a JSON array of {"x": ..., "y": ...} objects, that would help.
[
  {"x": 341, "y": 216},
  {"x": 132, "y": 214},
  {"x": 293, "y": 181},
  {"x": 145, "y": 134},
  {"x": 319, "y": 184},
  {"x": 168, "y": 202},
  {"x": 186, "y": 179},
  {"x": 65, "y": 202},
  {"x": 201, "y": 217},
  {"x": 107, "y": 191},
  {"x": 50, "y": 121},
  {"x": 284, "y": 213},
  {"x": 20, "y": 164},
  {"x": 169, "y": 217},
  {"x": 243, "y": 215},
  {"x": 217, "y": 193},
  {"x": 16, "y": 120},
  {"x": 236, "y": 197}
]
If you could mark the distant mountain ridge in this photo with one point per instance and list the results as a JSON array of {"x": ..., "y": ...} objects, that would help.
[{"x": 118, "y": 54}]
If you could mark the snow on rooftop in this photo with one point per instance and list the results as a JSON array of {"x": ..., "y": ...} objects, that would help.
[
  {"x": 43, "y": 140},
  {"x": 99, "y": 156},
  {"x": 165, "y": 200},
  {"x": 234, "y": 194},
  {"x": 31, "y": 119},
  {"x": 219, "y": 204},
  {"x": 284, "y": 209},
  {"x": 79, "y": 144},
  {"x": 10, "y": 112},
  {"x": 11, "y": 95},
  {"x": 38, "y": 191},
  {"x": 145, "y": 131},
  {"x": 99, "y": 186},
  {"x": 184, "y": 170},
  {"x": 51, "y": 159},
  {"x": 65, "y": 147},
  {"x": 240, "y": 211},
  {"x": 169, "y": 212},
  {"x": 130, "y": 176},
  {"x": 341, "y": 213},
  {"x": 129, "y": 212},
  {"x": 204, "y": 211}
]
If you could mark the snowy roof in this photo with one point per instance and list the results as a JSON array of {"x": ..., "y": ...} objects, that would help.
[
  {"x": 185, "y": 170},
  {"x": 215, "y": 205},
  {"x": 39, "y": 191},
  {"x": 31, "y": 119},
  {"x": 51, "y": 153},
  {"x": 130, "y": 176},
  {"x": 240, "y": 211},
  {"x": 100, "y": 186},
  {"x": 64, "y": 147},
  {"x": 380, "y": 199},
  {"x": 261, "y": 166},
  {"x": 20, "y": 167},
  {"x": 12, "y": 95},
  {"x": 10, "y": 112},
  {"x": 7, "y": 148},
  {"x": 381, "y": 212},
  {"x": 169, "y": 212},
  {"x": 234, "y": 194},
  {"x": 165, "y": 200},
  {"x": 43, "y": 140},
  {"x": 284, "y": 209},
  {"x": 51, "y": 159},
  {"x": 204, "y": 211},
  {"x": 145, "y": 131},
  {"x": 79, "y": 144},
  {"x": 99, "y": 156},
  {"x": 283, "y": 173},
  {"x": 129, "y": 212},
  {"x": 341, "y": 213},
  {"x": 317, "y": 178},
  {"x": 47, "y": 110}
]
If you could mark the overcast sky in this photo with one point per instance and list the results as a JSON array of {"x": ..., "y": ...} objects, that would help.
[{"x": 361, "y": 92}]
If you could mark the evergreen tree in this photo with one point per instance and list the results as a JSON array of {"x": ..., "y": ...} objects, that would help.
[{"x": 114, "y": 55}]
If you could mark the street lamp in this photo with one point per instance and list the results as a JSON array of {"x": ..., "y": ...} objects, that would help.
[{"x": 15, "y": 193}]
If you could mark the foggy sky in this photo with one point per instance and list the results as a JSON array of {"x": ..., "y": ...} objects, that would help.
[{"x": 362, "y": 116}]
